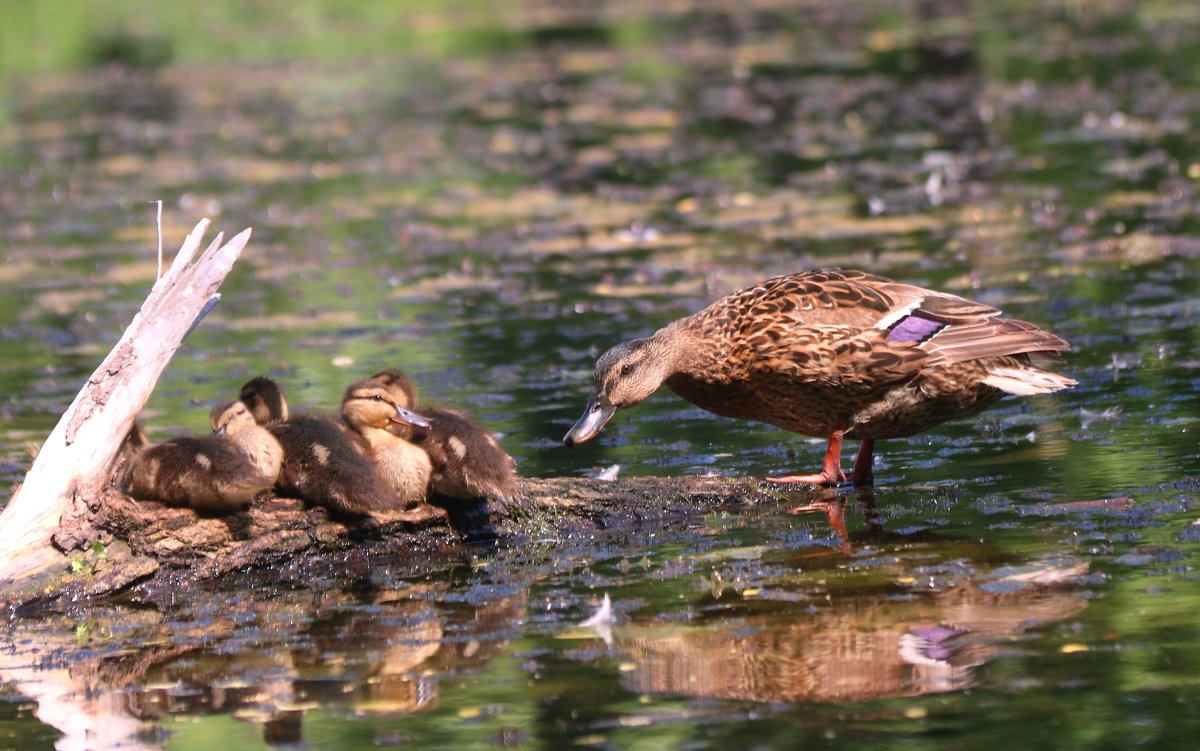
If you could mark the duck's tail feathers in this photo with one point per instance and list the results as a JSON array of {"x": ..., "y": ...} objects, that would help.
[
  {"x": 995, "y": 337},
  {"x": 1026, "y": 381}
]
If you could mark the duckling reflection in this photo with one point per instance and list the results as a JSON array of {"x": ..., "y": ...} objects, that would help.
[
  {"x": 380, "y": 655},
  {"x": 208, "y": 474},
  {"x": 468, "y": 462}
]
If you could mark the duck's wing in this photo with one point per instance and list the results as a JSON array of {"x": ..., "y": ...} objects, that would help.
[
  {"x": 859, "y": 361},
  {"x": 947, "y": 327},
  {"x": 839, "y": 297}
]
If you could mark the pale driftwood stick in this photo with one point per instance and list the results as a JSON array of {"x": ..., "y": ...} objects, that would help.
[
  {"x": 88, "y": 716},
  {"x": 75, "y": 459}
]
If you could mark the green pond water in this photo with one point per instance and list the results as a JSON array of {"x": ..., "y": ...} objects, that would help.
[{"x": 488, "y": 196}]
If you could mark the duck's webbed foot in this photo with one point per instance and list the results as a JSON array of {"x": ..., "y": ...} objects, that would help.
[
  {"x": 831, "y": 473},
  {"x": 820, "y": 478},
  {"x": 831, "y": 470}
]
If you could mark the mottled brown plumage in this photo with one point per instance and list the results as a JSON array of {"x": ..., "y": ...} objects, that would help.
[
  {"x": 369, "y": 408},
  {"x": 831, "y": 353},
  {"x": 324, "y": 463},
  {"x": 233, "y": 421},
  {"x": 265, "y": 400},
  {"x": 203, "y": 473},
  {"x": 468, "y": 462}
]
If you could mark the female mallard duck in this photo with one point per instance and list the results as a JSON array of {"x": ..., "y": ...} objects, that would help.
[
  {"x": 232, "y": 420},
  {"x": 324, "y": 463},
  {"x": 369, "y": 409},
  {"x": 203, "y": 473},
  {"x": 468, "y": 462},
  {"x": 831, "y": 353}
]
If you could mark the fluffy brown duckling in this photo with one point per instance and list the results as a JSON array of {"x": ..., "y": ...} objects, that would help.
[
  {"x": 204, "y": 473},
  {"x": 468, "y": 462},
  {"x": 324, "y": 463},
  {"x": 370, "y": 409},
  {"x": 832, "y": 353},
  {"x": 265, "y": 400},
  {"x": 233, "y": 420}
]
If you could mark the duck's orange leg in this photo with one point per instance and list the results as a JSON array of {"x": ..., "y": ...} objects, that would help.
[
  {"x": 864, "y": 464},
  {"x": 831, "y": 471}
]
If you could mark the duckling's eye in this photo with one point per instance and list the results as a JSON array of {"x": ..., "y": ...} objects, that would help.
[
  {"x": 626, "y": 369},
  {"x": 377, "y": 398}
]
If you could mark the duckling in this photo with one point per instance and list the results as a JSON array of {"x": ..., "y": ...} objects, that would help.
[
  {"x": 325, "y": 466},
  {"x": 834, "y": 353},
  {"x": 369, "y": 408},
  {"x": 204, "y": 473},
  {"x": 234, "y": 421},
  {"x": 468, "y": 462},
  {"x": 265, "y": 400},
  {"x": 326, "y": 462}
]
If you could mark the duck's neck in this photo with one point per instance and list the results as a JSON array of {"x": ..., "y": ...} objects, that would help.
[
  {"x": 672, "y": 343},
  {"x": 376, "y": 437}
]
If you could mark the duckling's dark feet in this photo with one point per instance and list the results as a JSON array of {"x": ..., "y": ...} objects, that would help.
[
  {"x": 415, "y": 514},
  {"x": 510, "y": 505}
]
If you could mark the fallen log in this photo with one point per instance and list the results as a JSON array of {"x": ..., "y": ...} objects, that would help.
[
  {"x": 75, "y": 460},
  {"x": 115, "y": 544}
]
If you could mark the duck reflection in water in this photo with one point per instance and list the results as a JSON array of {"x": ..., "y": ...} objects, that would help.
[
  {"x": 833, "y": 503},
  {"x": 862, "y": 648}
]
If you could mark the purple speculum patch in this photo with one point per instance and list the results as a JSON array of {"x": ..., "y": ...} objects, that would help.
[{"x": 914, "y": 329}]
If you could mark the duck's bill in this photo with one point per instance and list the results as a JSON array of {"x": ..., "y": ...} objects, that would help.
[
  {"x": 408, "y": 417},
  {"x": 597, "y": 412}
]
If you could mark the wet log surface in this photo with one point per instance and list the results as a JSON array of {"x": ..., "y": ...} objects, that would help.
[{"x": 114, "y": 544}]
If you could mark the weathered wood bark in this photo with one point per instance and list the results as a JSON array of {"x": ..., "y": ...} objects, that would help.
[
  {"x": 74, "y": 462},
  {"x": 117, "y": 544}
]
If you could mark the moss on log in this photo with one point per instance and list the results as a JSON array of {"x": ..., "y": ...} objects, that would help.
[{"x": 112, "y": 543}]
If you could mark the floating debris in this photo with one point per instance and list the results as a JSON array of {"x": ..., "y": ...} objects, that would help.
[
  {"x": 1087, "y": 416},
  {"x": 602, "y": 620},
  {"x": 1123, "y": 362},
  {"x": 607, "y": 474}
]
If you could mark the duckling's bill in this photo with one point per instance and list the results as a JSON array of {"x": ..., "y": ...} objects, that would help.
[
  {"x": 595, "y": 415},
  {"x": 408, "y": 417}
]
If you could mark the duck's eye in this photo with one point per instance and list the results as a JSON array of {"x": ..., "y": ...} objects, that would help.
[
  {"x": 377, "y": 398},
  {"x": 626, "y": 369}
]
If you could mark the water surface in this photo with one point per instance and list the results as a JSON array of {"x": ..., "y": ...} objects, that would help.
[{"x": 490, "y": 198}]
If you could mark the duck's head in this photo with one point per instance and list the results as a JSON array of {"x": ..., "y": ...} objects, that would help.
[
  {"x": 625, "y": 375},
  {"x": 265, "y": 400},
  {"x": 231, "y": 418},
  {"x": 369, "y": 404},
  {"x": 400, "y": 385}
]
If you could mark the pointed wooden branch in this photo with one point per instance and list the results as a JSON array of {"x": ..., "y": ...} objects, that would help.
[{"x": 75, "y": 459}]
